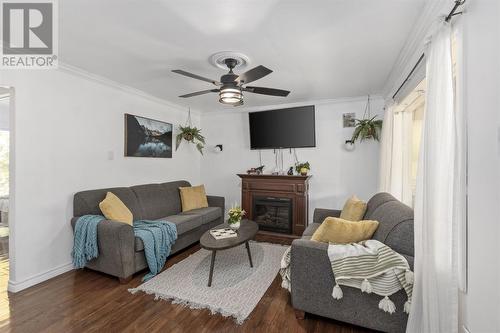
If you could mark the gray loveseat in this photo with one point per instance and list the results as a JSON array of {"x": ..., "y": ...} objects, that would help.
[
  {"x": 120, "y": 253},
  {"x": 312, "y": 277}
]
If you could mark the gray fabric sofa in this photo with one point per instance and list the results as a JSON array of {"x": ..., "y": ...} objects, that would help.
[
  {"x": 312, "y": 278},
  {"x": 120, "y": 253}
]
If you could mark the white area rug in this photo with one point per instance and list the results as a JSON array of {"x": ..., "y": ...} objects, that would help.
[{"x": 236, "y": 287}]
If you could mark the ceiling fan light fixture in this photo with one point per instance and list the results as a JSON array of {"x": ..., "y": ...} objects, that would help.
[{"x": 231, "y": 95}]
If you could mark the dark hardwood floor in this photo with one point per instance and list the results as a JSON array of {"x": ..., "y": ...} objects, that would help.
[{"x": 87, "y": 301}]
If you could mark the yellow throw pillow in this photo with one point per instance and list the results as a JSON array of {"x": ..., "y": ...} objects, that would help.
[
  {"x": 337, "y": 230},
  {"x": 114, "y": 209},
  {"x": 354, "y": 209},
  {"x": 193, "y": 197}
]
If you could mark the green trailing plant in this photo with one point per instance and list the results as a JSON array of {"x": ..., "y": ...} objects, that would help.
[
  {"x": 191, "y": 135},
  {"x": 367, "y": 129},
  {"x": 304, "y": 165}
]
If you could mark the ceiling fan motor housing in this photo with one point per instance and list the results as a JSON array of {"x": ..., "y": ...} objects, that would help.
[
  {"x": 231, "y": 63},
  {"x": 229, "y": 78}
]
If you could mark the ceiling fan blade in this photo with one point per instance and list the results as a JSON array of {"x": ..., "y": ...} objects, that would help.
[
  {"x": 267, "y": 91},
  {"x": 199, "y": 93},
  {"x": 194, "y": 76},
  {"x": 254, "y": 74}
]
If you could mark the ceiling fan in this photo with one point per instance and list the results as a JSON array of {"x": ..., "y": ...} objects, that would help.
[{"x": 230, "y": 86}]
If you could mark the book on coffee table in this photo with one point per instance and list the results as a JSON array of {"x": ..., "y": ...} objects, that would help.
[{"x": 223, "y": 233}]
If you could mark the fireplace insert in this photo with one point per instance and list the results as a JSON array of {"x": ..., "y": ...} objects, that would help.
[{"x": 273, "y": 214}]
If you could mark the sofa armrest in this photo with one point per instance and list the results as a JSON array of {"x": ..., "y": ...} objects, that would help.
[
  {"x": 216, "y": 201},
  {"x": 116, "y": 242},
  {"x": 311, "y": 275},
  {"x": 320, "y": 214}
]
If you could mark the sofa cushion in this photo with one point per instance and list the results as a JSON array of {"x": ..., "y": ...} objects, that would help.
[
  {"x": 193, "y": 197},
  {"x": 340, "y": 231},
  {"x": 184, "y": 223},
  {"x": 354, "y": 209},
  {"x": 87, "y": 202},
  {"x": 115, "y": 210},
  {"x": 155, "y": 200},
  {"x": 174, "y": 197},
  {"x": 208, "y": 214}
]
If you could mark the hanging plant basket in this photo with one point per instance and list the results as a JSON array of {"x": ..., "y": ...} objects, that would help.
[
  {"x": 367, "y": 128},
  {"x": 190, "y": 134}
]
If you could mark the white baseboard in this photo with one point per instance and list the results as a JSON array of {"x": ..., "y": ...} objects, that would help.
[{"x": 16, "y": 286}]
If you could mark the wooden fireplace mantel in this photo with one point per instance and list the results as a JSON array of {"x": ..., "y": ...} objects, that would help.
[{"x": 295, "y": 188}]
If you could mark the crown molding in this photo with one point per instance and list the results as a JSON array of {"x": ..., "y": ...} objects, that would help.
[
  {"x": 415, "y": 44},
  {"x": 122, "y": 87},
  {"x": 133, "y": 91},
  {"x": 292, "y": 104}
]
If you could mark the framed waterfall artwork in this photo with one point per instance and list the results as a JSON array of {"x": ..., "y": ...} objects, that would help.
[{"x": 145, "y": 137}]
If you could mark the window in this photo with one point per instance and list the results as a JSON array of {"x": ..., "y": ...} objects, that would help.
[
  {"x": 412, "y": 111},
  {"x": 414, "y": 103}
]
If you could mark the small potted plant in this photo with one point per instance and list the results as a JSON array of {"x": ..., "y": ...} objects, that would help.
[
  {"x": 235, "y": 214},
  {"x": 192, "y": 135},
  {"x": 302, "y": 168}
]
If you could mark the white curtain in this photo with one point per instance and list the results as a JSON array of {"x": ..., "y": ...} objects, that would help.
[
  {"x": 385, "y": 168},
  {"x": 395, "y": 156},
  {"x": 460, "y": 190},
  {"x": 434, "y": 306}
]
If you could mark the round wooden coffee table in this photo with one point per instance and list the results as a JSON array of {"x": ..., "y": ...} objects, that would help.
[{"x": 247, "y": 231}]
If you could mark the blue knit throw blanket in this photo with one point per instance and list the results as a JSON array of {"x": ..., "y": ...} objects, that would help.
[{"x": 157, "y": 236}]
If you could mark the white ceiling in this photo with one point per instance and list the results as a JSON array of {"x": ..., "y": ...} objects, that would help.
[{"x": 317, "y": 49}]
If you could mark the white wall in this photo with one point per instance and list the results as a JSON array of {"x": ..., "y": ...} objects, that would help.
[
  {"x": 64, "y": 128},
  {"x": 337, "y": 173},
  {"x": 481, "y": 304}
]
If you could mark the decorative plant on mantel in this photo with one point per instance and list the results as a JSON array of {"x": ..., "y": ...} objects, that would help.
[
  {"x": 191, "y": 134},
  {"x": 302, "y": 168},
  {"x": 367, "y": 128}
]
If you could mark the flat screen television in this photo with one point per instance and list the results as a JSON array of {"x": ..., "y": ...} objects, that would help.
[{"x": 283, "y": 128}]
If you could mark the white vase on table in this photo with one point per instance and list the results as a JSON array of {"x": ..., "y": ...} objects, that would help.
[{"x": 235, "y": 226}]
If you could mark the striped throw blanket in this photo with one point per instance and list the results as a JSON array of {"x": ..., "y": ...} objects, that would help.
[
  {"x": 372, "y": 267},
  {"x": 285, "y": 269}
]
